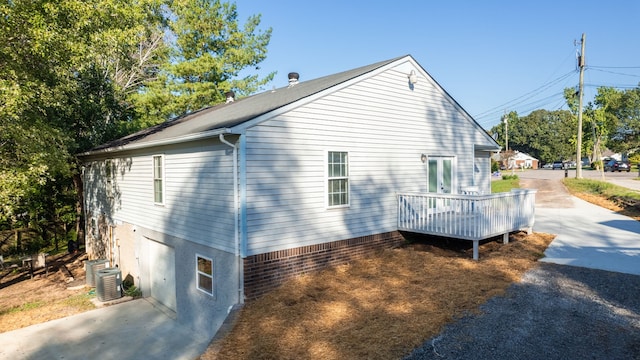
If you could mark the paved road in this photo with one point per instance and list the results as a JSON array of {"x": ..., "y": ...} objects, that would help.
[
  {"x": 625, "y": 179},
  {"x": 587, "y": 235}
]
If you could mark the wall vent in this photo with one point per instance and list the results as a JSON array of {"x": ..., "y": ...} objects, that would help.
[{"x": 109, "y": 284}]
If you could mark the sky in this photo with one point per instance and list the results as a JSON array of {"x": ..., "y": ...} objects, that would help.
[{"x": 491, "y": 56}]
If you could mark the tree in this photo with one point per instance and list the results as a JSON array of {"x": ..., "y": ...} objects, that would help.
[
  {"x": 621, "y": 117},
  {"x": 77, "y": 73},
  {"x": 208, "y": 52},
  {"x": 60, "y": 94},
  {"x": 546, "y": 135}
]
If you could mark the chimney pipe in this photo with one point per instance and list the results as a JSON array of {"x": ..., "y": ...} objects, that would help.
[
  {"x": 293, "y": 78},
  {"x": 231, "y": 96}
]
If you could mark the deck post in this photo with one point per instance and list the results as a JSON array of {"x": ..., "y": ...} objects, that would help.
[
  {"x": 476, "y": 244},
  {"x": 505, "y": 238}
]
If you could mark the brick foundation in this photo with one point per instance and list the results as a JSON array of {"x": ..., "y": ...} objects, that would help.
[{"x": 265, "y": 272}]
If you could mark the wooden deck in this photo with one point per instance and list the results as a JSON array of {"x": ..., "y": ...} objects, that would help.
[{"x": 469, "y": 217}]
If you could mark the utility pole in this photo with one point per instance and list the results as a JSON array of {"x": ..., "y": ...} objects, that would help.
[
  {"x": 581, "y": 63},
  {"x": 506, "y": 132},
  {"x": 506, "y": 143}
]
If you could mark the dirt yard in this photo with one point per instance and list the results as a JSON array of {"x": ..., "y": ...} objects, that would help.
[
  {"x": 380, "y": 307},
  {"x": 59, "y": 293}
]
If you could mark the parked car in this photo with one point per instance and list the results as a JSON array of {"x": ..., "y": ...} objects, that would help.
[
  {"x": 557, "y": 165},
  {"x": 615, "y": 165},
  {"x": 596, "y": 164},
  {"x": 547, "y": 166}
]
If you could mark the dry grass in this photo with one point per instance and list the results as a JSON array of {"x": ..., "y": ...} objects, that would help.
[
  {"x": 380, "y": 307},
  {"x": 630, "y": 211},
  {"x": 25, "y": 301}
]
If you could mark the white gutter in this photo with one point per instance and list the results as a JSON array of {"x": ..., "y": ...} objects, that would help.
[
  {"x": 236, "y": 203},
  {"x": 170, "y": 141}
]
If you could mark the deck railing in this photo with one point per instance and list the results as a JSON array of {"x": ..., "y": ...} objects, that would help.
[{"x": 470, "y": 217}]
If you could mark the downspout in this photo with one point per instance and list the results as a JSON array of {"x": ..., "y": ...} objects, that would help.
[{"x": 236, "y": 203}]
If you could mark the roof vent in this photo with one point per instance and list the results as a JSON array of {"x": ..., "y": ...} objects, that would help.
[
  {"x": 231, "y": 96},
  {"x": 293, "y": 78}
]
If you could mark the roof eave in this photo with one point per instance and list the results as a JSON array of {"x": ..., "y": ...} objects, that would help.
[{"x": 162, "y": 142}]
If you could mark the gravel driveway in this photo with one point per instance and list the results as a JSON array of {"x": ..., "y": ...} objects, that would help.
[{"x": 555, "y": 312}]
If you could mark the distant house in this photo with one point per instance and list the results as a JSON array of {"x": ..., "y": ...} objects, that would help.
[
  {"x": 525, "y": 161},
  {"x": 518, "y": 160},
  {"x": 226, "y": 203}
]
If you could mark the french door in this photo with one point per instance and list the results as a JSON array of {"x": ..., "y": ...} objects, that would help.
[{"x": 440, "y": 181}]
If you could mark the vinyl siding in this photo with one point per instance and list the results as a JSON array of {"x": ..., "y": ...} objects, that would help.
[
  {"x": 385, "y": 127},
  {"x": 198, "y": 198}
]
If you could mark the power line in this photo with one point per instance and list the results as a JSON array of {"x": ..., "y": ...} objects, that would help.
[
  {"x": 613, "y": 72},
  {"x": 557, "y": 99},
  {"x": 524, "y": 101},
  {"x": 624, "y": 86},
  {"x": 613, "y": 67},
  {"x": 523, "y": 105},
  {"x": 534, "y": 91}
]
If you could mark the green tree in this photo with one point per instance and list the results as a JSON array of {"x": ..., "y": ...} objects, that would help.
[
  {"x": 621, "y": 117},
  {"x": 66, "y": 68},
  {"x": 78, "y": 73},
  {"x": 545, "y": 135},
  {"x": 209, "y": 49}
]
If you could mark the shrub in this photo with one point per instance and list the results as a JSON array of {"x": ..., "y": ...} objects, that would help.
[
  {"x": 495, "y": 166},
  {"x": 133, "y": 291}
]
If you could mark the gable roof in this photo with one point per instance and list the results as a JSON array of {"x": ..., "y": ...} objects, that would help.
[
  {"x": 218, "y": 119},
  {"x": 224, "y": 116}
]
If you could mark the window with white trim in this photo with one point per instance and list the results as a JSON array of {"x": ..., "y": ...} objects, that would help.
[
  {"x": 204, "y": 274},
  {"x": 337, "y": 179},
  {"x": 158, "y": 179}
]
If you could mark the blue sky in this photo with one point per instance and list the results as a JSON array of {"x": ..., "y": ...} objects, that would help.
[{"x": 491, "y": 56}]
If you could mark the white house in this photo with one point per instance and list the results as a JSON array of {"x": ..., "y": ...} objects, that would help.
[
  {"x": 526, "y": 161},
  {"x": 227, "y": 202},
  {"x": 520, "y": 160}
]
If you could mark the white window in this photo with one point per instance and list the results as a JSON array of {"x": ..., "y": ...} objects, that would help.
[
  {"x": 337, "y": 179},
  {"x": 158, "y": 179},
  {"x": 204, "y": 274}
]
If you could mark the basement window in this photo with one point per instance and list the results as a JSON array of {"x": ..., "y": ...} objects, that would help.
[{"x": 204, "y": 273}]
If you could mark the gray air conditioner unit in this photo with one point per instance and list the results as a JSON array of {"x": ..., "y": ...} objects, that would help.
[
  {"x": 109, "y": 284},
  {"x": 92, "y": 267}
]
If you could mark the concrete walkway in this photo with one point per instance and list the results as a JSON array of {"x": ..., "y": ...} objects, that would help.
[
  {"x": 587, "y": 235},
  {"x": 590, "y": 236},
  {"x": 131, "y": 330}
]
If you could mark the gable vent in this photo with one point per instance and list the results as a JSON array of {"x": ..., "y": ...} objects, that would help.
[{"x": 293, "y": 78}]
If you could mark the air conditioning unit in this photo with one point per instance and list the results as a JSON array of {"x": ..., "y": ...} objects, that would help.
[
  {"x": 109, "y": 284},
  {"x": 92, "y": 267}
]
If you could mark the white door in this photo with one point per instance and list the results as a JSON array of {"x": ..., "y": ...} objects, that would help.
[
  {"x": 162, "y": 273},
  {"x": 440, "y": 180}
]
